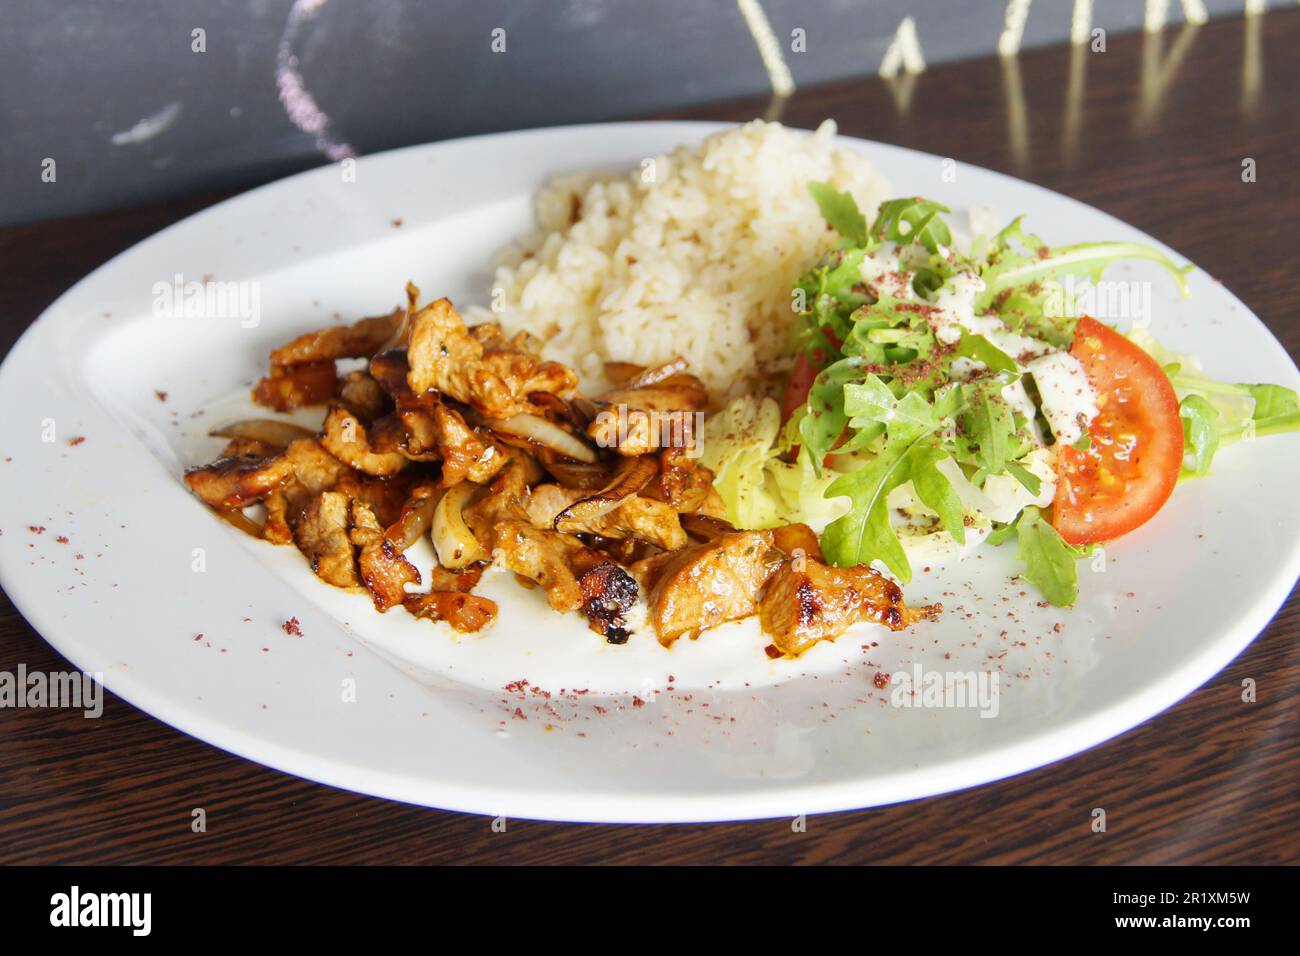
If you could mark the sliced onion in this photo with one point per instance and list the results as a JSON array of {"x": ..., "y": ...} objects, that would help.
[
  {"x": 547, "y": 434},
  {"x": 653, "y": 376},
  {"x": 403, "y": 330},
  {"x": 240, "y": 520},
  {"x": 416, "y": 517},
  {"x": 638, "y": 473},
  {"x": 705, "y": 526},
  {"x": 620, "y": 373},
  {"x": 453, "y": 541},
  {"x": 268, "y": 431},
  {"x": 576, "y": 474}
]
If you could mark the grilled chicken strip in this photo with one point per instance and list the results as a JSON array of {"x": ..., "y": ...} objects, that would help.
[
  {"x": 293, "y": 386},
  {"x": 467, "y": 613},
  {"x": 311, "y": 470},
  {"x": 797, "y": 540},
  {"x": 390, "y": 369},
  {"x": 362, "y": 339},
  {"x": 505, "y": 499},
  {"x": 542, "y": 557},
  {"x": 363, "y": 394},
  {"x": 807, "y": 602},
  {"x": 495, "y": 379},
  {"x": 384, "y": 570},
  {"x": 433, "y": 428},
  {"x": 701, "y": 586},
  {"x": 683, "y": 482},
  {"x": 637, "y": 421},
  {"x": 635, "y": 517},
  {"x": 345, "y": 437},
  {"x": 321, "y": 534},
  {"x": 235, "y": 481}
]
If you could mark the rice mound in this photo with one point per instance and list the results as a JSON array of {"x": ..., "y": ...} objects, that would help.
[{"x": 693, "y": 254}]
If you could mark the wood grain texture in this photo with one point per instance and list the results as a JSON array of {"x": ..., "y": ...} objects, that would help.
[{"x": 1162, "y": 128}]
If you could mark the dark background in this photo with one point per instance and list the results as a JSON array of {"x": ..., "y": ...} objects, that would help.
[{"x": 77, "y": 76}]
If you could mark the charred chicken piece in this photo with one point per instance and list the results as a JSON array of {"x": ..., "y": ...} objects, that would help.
[
  {"x": 416, "y": 516},
  {"x": 495, "y": 379},
  {"x": 608, "y": 592},
  {"x": 449, "y": 600},
  {"x": 434, "y": 428},
  {"x": 683, "y": 482},
  {"x": 505, "y": 499},
  {"x": 807, "y": 602},
  {"x": 441, "y": 579},
  {"x": 312, "y": 470},
  {"x": 797, "y": 540},
  {"x": 386, "y": 497},
  {"x": 390, "y": 369}
]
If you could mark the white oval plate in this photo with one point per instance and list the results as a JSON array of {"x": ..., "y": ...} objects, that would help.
[{"x": 182, "y": 615}]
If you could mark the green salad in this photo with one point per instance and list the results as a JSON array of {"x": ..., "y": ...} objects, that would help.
[{"x": 942, "y": 400}]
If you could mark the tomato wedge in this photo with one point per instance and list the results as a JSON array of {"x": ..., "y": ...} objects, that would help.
[
  {"x": 802, "y": 376},
  {"x": 1136, "y": 453},
  {"x": 798, "y": 386}
]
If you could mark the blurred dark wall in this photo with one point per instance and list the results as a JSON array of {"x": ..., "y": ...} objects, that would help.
[{"x": 116, "y": 95}]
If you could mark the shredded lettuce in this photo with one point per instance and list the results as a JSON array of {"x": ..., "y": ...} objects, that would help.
[
  {"x": 742, "y": 445},
  {"x": 1050, "y": 564}
]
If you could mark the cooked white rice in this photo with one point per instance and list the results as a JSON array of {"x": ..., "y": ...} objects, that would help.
[{"x": 694, "y": 254}]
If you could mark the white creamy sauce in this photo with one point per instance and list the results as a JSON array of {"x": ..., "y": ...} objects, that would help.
[
  {"x": 1069, "y": 400},
  {"x": 1007, "y": 497},
  {"x": 955, "y": 308},
  {"x": 885, "y": 275}
]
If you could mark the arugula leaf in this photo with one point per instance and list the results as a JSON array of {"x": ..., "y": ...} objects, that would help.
[
  {"x": 1223, "y": 412},
  {"x": 980, "y": 349},
  {"x": 913, "y": 220},
  {"x": 831, "y": 292},
  {"x": 880, "y": 326},
  {"x": 865, "y": 533},
  {"x": 1031, "y": 482},
  {"x": 1009, "y": 269},
  {"x": 1050, "y": 563},
  {"x": 1000, "y": 534},
  {"x": 873, "y": 401},
  {"x": 988, "y": 426},
  {"x": 1020, "y": 270},
  {"x": 840, "y": 210},
  {"x": 936, "y": 491},
  {"x": 821, "y": 428}
]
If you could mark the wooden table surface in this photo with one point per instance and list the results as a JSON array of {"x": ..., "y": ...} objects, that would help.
[{"x": 1153, "y": 130}]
